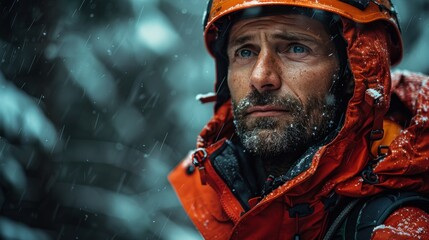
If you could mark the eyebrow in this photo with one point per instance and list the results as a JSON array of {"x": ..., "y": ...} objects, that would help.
[
  {"x": 283, "y": 36},
  {"x": 296, "y": 37},
  {"x": 241, "y": 40}
]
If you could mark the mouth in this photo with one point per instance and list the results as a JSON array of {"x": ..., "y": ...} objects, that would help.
[{"x": 266, "y": 111}]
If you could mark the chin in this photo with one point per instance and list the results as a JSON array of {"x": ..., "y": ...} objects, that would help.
[{"x": 260, "y": 142}]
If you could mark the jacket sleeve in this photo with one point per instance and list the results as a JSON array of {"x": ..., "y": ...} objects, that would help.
[{"x": 404, "y": 223}]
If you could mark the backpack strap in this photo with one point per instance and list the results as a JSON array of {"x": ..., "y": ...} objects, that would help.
[
  {"x": 359, "y": 217},
  {"x": 373, "y": 212},
  {"x": 340, "y": 213}
]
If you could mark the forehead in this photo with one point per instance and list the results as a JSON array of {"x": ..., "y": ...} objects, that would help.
[{"x": 281, "y": 23}]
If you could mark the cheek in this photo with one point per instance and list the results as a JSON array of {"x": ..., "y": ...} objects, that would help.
[
  {"x": 315, "y": 81},
  {"x": 237, "y": 86},
  {"x": 305, "y": 83}
]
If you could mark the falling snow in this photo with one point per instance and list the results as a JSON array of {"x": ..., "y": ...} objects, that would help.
[{"x": 98, "y": 106}]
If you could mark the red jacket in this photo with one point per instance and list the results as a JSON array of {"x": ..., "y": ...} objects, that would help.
[{"x": 336, "y": 167}]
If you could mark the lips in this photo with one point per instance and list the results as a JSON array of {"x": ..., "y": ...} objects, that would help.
[{"x": 266, "y": 111}]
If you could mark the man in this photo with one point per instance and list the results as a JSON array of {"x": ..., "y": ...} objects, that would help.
[{"x": 311, "y": 136}]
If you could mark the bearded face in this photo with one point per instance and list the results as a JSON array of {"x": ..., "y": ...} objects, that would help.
[
  {"x": 270, "y": 137},
  {"x": 281, "y": 74}
]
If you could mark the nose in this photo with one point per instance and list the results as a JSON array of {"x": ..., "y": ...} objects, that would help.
[{"x": 265, "y": 74}]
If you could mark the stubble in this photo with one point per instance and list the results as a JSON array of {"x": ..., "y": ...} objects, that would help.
[{"x": 292, "y": 134}]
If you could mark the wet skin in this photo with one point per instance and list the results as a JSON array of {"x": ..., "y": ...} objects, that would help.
[
  {"x": 285, "y": 55},
  {"x": 281, "y": 69}
]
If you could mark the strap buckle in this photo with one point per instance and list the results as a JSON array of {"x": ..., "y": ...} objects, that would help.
[{"x": 198, "y": 158}]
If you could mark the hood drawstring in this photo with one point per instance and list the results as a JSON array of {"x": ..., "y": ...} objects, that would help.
[
  {"x": 297, "y": 236},
  {"x": 297, "y": 211}
]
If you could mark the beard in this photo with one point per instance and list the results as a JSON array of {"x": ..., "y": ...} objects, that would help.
[{"x": 274, "y": 137}]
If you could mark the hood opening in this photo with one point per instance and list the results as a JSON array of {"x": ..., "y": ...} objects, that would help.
[{"x": 331, "y": 21}]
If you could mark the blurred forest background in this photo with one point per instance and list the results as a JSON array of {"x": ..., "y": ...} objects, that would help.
[{"x": 98, "y": 105}]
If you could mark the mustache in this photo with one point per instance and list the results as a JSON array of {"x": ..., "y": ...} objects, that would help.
[{"x": 255, "y": 98}]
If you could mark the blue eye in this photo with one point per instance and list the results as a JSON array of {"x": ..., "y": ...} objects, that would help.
[
  {"x": 245, "y": 53},
  {"x": 298, "y": 49}
]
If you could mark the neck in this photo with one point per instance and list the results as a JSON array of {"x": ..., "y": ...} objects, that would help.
[{"x": 278, "y": 165}]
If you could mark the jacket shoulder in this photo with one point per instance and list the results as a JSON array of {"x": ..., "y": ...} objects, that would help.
[
  {"x": 201, "y": 202},
  {"x": 410, "y": 87}
]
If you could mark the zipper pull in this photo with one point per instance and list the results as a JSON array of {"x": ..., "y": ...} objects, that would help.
[
  {"x": 198, "y": 158},
  {"x": 268, "y": 186}
]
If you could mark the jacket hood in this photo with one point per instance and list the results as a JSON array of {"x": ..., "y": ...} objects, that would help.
[
  {"x": 406, "y": 165},
  {"x": 338, "y": 165}
]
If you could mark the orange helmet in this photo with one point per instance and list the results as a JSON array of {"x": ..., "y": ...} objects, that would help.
[{"x": 360, "y": 11}]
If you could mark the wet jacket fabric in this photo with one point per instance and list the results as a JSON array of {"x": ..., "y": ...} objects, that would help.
[{"x": 210, "y": 181}]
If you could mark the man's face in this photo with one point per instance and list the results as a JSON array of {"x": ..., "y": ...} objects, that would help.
[{"x": 281, "y": 69}]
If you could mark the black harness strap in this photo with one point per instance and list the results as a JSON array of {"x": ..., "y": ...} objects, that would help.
[
  {"x": 359, "y": 217},
  {"x": 377, "y": 209},
  {"x": 339, "y": 220}
]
